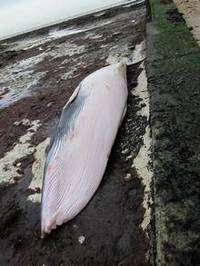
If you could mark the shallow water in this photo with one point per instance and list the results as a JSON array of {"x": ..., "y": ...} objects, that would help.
[{"x": 23, "y": 16}]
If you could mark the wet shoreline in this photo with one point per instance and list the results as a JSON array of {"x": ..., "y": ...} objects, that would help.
[{"x": 79, "y": 18}]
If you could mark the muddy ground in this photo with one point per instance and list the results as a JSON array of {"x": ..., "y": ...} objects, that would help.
[{"x": 38, "y": 73}]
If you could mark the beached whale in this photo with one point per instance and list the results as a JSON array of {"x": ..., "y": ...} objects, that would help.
[{"x": 79, "y": 151}]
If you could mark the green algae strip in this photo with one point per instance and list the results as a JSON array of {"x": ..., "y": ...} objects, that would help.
[{"x": 173, "y": 69}]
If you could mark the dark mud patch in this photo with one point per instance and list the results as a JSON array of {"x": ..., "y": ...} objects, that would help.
[
  {"x": 10, "y": 133},
  {"x": 9, "y": 218},
  {"x": 175, "y": 16},
  {"x": 7, "y": 56}
]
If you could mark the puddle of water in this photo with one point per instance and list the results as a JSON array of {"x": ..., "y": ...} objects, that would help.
[{"x": 55, "y": 33}]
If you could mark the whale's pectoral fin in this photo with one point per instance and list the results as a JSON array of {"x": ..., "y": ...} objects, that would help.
[{"x": 67, "y": 121}]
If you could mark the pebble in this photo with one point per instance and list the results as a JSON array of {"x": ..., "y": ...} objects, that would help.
[
  {"x": 50, "y": 104},
  {"x": 18, "y": 164},
  {"x": 125, "y": 151},
  {"x": 127, "y": 177},
  {"x": 129, "y": 157},
  {"x": 81, "y": 239}
]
